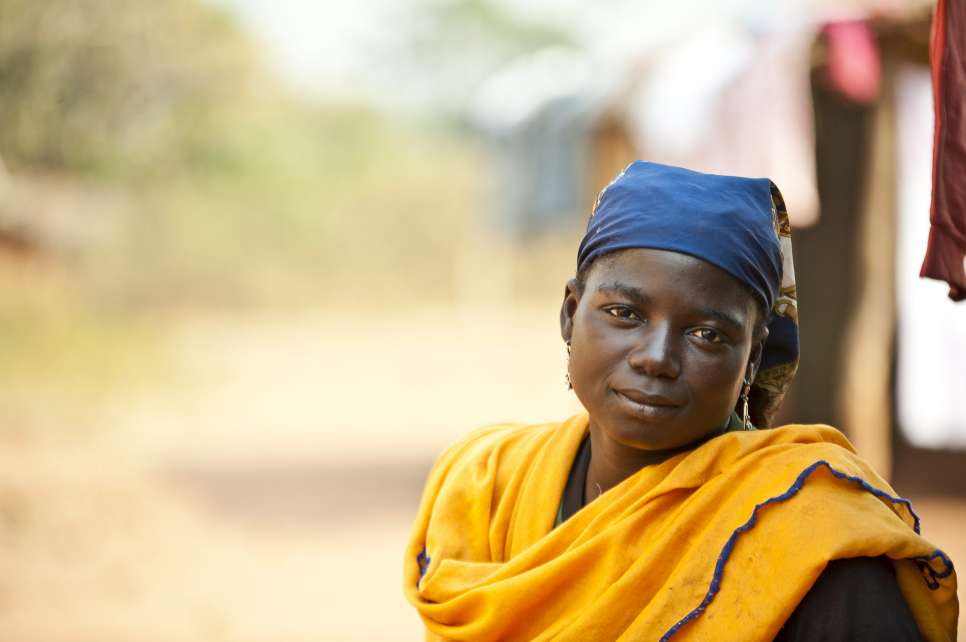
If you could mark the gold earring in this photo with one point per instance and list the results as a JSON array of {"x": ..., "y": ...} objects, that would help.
[{"x": 745, "y": 421}]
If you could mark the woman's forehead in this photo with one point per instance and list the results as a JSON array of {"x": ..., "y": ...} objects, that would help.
[{"x": 650, "y": 272}]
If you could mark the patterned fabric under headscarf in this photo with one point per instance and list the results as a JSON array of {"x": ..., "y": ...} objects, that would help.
[{"x": 737, "y": 224}]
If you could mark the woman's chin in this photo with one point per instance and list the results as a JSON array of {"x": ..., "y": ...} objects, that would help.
[{"x": 655, "y": 436}]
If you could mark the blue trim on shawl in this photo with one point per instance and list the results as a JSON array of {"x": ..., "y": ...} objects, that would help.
[
  {"x": 423, "y": 560},
  {"x": 922, "y": 562}
]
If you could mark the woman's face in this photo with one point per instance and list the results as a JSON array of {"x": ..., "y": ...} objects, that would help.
[{"x": 660, "y": 346}]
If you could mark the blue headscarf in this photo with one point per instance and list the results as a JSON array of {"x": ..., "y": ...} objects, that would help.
[{"x": 737, "y": 224}]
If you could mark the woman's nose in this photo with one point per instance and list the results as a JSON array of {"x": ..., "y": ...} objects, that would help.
[{"x": 655, "y": 353}]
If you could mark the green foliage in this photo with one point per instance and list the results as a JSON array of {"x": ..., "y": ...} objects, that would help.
[
  {"x": 293, "y": 201},
  {"x": 90, "y": 85},
  {"x": 238, "y": 191}
]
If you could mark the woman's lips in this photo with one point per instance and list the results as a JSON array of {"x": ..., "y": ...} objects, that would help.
[{"x": 645, "y": 405}]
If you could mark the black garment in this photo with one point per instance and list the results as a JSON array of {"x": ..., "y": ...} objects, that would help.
[
  {"x": 853, "y": 600},
  {"x": 573, "y": 495}
]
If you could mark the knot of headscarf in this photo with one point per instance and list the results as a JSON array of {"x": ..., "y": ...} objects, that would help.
[{"x": 736, "y": 224}]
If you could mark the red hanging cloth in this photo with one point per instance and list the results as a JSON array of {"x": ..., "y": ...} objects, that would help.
[{"x": 946, "y": 250}]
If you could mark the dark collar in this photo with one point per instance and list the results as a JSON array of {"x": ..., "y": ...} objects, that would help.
[{"x": 573, "y": 496}]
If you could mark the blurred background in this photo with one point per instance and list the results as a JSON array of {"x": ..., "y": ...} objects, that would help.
[{"x": 261, "y": 261}]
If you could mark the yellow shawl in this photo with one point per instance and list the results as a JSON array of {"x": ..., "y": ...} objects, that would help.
[{"x": 720, "y": 543}]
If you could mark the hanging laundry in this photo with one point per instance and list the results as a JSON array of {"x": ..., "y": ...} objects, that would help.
[
  {"x": 745, "y": 108},
  {"x": 853, "y": 66},
  {"x": 946, "y": 251}
]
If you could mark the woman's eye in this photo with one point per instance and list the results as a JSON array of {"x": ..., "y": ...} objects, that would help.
[
  {"x": 622, "y": 312},
  {"x": 708, "y": 334}
]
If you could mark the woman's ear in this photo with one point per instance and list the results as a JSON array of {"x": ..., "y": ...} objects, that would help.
[{"x": 568, "y": 308}]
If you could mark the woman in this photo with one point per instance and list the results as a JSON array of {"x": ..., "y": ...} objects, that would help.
[{"x": 663, "y": 513}]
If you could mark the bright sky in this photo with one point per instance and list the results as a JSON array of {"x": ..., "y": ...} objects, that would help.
[
  {"x": 331, "y": 47},
  {"x": 317, "y": 44}
]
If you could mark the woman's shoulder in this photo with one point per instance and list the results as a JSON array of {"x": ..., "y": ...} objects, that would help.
[
  {"x": 811, "y": 438},
  {"x": 811, "y": 433},
  {"x": 795, "y": 449},
  {"x": 791, "y": 457},
  {"x": 822, "y": 443}
]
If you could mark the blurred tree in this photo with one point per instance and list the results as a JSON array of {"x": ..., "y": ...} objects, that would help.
[
  {"x": 233, "y": 188},
  {"x": 89, "y": 83}
]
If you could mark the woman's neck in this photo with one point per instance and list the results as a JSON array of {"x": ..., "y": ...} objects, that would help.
[{"x": 611, "y": 462}]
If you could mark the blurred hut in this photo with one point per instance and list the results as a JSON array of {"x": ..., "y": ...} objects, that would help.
[{"x": 549, "y": 120}]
